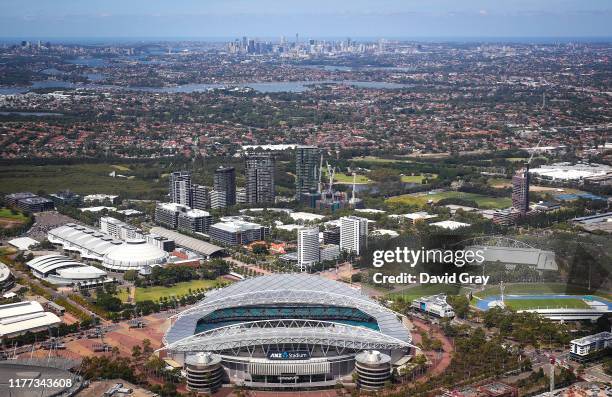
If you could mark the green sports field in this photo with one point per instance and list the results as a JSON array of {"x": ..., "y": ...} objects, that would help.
[
  {"x": 486, "y": 202},
  {"x": 177, "y": 290},
  {"x": 527, "y": 304},
  {"x": 542, "y": 288}
]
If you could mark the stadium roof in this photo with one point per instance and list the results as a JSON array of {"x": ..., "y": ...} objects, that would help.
[
  {"x": 90, "y": 242},
  {"x": 286, "y": 289},
  {"x": 64, "y": 267},
  {"x": 286, "y": 331},
  {"x": 191, "y": 243},
  {"x": 134, "y": 254},
  {"x": 542, "y": 260}
]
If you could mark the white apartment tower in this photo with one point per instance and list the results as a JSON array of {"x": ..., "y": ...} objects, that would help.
[
  {"x": 180, "y": 187},
  {"x": 353, "y": 234},
  {"x": 308, "y": 247}
]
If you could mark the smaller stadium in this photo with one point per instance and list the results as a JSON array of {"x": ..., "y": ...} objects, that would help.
[{"x": 286, "y": 331}]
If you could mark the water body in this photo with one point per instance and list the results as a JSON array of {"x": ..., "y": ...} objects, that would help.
[
  {"x": 341, "y": 68},
  {"x": 36, "y": 114},
  {"x": 91, "y": 62},
  {"x": 268, "y": 87}
]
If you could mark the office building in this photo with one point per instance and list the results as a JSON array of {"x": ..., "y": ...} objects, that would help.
[
  {"x": 353, "y": 234},
  {"x": 520, "y": 190},
  {"x": 237, "y": 232},
  {"x": 225, "y": 181},
  {"x": 329, "y": 252},
  {"x": 66, "y": 197},
  {"x": 308, "y": 247},
  {"x": 178, "y": 216},
  {"x": 589, "y": 347},
  {"x": 29, "y": 202},
  {"x": 307, "y": 168},
  {"x": 119, "y": 229},
  {"x": 194, "y": 221},
  {"x": 180, "y": 187},
  {"x": 200, "y": 197},
  {"x": 259, "y": 172},
  {"x": 123, "y": 231}
]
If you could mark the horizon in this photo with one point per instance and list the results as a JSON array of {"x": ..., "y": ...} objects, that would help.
[{"x": 314, "y": 18}]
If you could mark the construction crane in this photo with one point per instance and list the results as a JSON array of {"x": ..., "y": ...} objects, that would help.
[
  {"x": 320, "y": 184},
  {"x": 533, "y": 152},
  {"x": 331, "y": 173}
]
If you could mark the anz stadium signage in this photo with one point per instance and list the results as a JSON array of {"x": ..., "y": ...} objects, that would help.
[{"x": 299, "y": 355}]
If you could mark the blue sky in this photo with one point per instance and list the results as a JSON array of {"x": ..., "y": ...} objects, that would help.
[{"x": 311, "y": 18}]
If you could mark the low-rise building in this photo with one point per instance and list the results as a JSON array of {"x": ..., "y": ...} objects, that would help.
[
  {"x": 29, "y": 316},
  {"x": 237, "y": 232},
  {"x": 589, "y": 347}
]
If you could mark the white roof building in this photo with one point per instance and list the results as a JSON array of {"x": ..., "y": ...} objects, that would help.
[
  {"x": 61, "y": 270},
  {"x": 114, "y": 254},
  {"x": 23, "y": 243},
  {"x": 450, "y": 225},
  {"x": 305, "y": 217},
  {"x": 19, "y": 318}
]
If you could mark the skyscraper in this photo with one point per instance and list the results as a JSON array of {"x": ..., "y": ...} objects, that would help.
[
  {"x": 353, "y": 234},
  {"x": 520, "y": 190},
  {"x": 225, "y": 182},
  {"x": 259, "y": 172},
  {"x": 307, "y": 163},
  {"x": 308, "y": 247},
  {"x": 180, "y": 187}
]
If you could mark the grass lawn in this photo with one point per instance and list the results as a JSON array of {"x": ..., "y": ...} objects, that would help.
[
  {"x": 526, "y": 304},
  {"x": 486, "y": 202},
  {"x": 373, "y": 159},
  {"x": 417, "y": 178},
  {"x": 79, "y": 178},
  {"x": 499, "y": 182},
  {"x": 154, "y": 293},
  {"x": 6, "y": 213},
  {"x": 542, "y": 288},
  {"x": 412, "y": 293},
  {"x": 341, "y": 177}
]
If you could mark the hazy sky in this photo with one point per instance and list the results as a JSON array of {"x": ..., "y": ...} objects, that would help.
[{"x": 311, "y": 18}]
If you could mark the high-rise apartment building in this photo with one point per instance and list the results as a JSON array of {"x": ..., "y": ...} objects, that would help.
[
  {"x": 307, "y": 163},
  {"x": 520, "y": 190},
  {"x": 180, "y": 187},
  {"x": 259, "y": 172},
  {"x": 353, "y": 234},
  {"x": 225, "y": 181},
  {"x": 308, "y": 247},
  {"x": 200, "y": 197}
]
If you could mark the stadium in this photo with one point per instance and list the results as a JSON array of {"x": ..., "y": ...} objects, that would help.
[{"x": 285, "y": 331}]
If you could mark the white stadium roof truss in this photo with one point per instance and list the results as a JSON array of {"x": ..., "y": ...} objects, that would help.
[
  {"x": 268, "y": 333},
  {"x": 386, "y": 319}
]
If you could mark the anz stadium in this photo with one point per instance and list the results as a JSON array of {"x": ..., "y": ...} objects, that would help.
[{"x": 286, "y": 331}]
